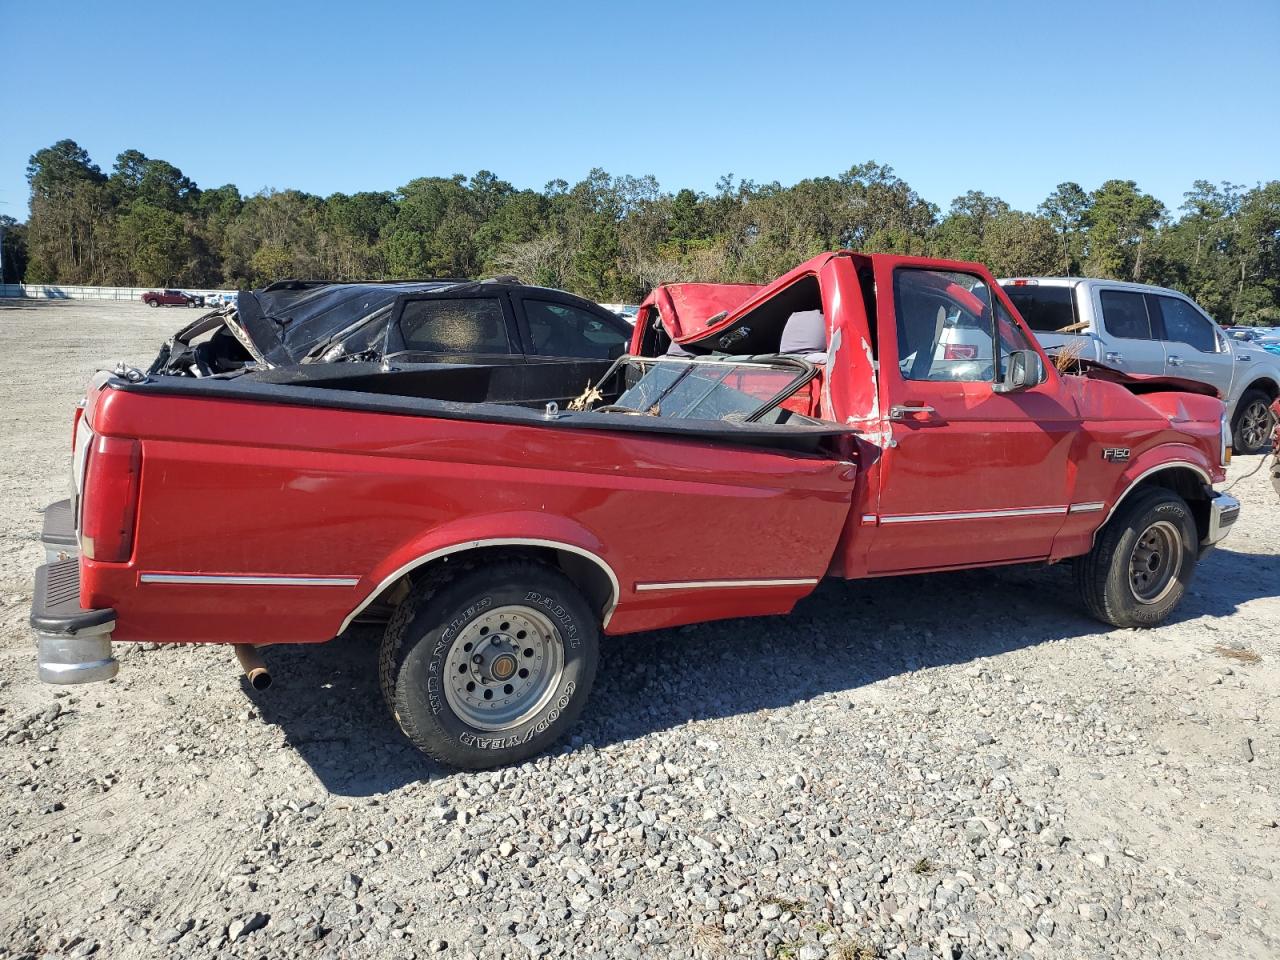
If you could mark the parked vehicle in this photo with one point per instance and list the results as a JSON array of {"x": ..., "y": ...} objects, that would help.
[
  {"x": 1138, "y": 328},
  {"x": 353, "y": 330},
  {"x": 812, "y": 430},
  {"x": 172, "y": 298}
]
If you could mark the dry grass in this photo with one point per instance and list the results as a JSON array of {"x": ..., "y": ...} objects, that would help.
[
  {"x": 854, "y": 950},
  {"x": 708, "y": 941},
  {"x": 923, "y": 867},
  {"x": 787, "y": 906},
  {"x": 1065, "y": 357},
  {"x": 1236, "y": 654}
]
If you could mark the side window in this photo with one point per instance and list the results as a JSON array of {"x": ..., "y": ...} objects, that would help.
[
  {"x": 1011, "y": 337},
  {"x": 559, "y": 330},
  {"x": 1046, "y": 309},
  {"x": 944, "y": 326},
  {"x": 1125, "y": 315},
  {"x": 1184, "y": 324},
  {"x": 454, "y": 326}
]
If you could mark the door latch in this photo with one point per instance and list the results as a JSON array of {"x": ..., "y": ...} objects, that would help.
[
  {"x": 900, "y": 411},
  {"x": 1176, "y": 361}
]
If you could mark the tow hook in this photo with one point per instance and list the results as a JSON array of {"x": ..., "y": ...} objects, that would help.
[{"x": 254, "y": 668}]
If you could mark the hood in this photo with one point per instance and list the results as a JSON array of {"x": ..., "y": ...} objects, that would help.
[
  {"x": 288, "y": 320},
  {"x": 1140, "y": 383}
]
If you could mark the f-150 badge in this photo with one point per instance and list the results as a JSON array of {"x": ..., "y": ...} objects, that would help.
[{"x": 1116, "y": 454}]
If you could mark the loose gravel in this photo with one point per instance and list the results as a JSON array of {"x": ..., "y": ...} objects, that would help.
[{"x": 950, "y": 766}]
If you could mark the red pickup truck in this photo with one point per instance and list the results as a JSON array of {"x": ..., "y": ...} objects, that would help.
[
  {"x": 171, "y": 298},
  {"x": 862, "y": 416}
]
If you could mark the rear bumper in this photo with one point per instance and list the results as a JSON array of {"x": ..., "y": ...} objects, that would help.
[
  {"x": 73, "y": 644},
  {"x": 1224, "y": 511}
]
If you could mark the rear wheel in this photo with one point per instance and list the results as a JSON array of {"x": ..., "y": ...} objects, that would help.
[
  {"x": 1251, "y": 430},
  {"x": 489, "y": 665},
  {"x": 1141, "y": 562}
]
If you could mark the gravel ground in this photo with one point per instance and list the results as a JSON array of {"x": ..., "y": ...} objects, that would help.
[{"x": 958, "y": 766}]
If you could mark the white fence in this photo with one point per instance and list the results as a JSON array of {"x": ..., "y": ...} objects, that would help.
[{"x": 57, "y": 291}]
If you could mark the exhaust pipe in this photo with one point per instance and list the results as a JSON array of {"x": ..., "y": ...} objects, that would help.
[{"x": 254, "y": 668}]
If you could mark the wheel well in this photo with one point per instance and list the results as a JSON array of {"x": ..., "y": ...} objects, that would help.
[
  {"x": 1187, "y": 484},
  {"x": 1266, "y": 385},
  {"x": 590, "y": 575}
]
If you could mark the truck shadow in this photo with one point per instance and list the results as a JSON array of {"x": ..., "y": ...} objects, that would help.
[{"x": 847, "y": 635}]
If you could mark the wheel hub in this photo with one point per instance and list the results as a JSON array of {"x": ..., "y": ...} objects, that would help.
[
  {"x": 1254, "y": 423},
  {"x": 504, "y": 667},
  {"x": 1155, "y": 562}
]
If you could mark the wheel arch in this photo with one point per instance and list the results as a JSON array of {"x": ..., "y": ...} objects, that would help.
[
  {"x": 1266, "y": 384},
  {"x": 1187, "y": 479},
  {"x": 590, "y": 572}
]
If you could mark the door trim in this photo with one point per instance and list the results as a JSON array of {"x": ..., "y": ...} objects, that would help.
[{"x": 974, "y": 515}]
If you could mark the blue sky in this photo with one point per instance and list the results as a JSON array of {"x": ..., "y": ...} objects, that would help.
[{"x": 1008, "y": 98}]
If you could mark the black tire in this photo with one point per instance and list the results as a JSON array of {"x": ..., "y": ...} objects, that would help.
[
  {"x": 1112, "y": 589},
  {"x": 418, "y": 660},
  {"x": 153, "y": 303},
  {"x": 1253, "y": 423}
]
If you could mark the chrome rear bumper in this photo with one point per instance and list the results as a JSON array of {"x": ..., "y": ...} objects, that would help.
[{"x": 73, "y": 644}]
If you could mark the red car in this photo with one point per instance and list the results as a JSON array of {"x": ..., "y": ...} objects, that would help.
[
  {"x": 171, "y": 298},
  {"x": 755, "y": 441}
]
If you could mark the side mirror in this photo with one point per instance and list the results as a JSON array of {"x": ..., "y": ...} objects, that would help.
[{"x": 1023, "y": 369}]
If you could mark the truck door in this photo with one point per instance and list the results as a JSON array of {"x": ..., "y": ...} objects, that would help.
[
  {"x": 1193, "y": 348},
  {"x": 1131, "y": 340},
  {"x": 970, "y": 475}
]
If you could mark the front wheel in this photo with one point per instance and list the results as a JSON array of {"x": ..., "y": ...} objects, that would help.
[
  {"x": 153, "y": 303},
  {"x": 1251, "y": 430},
  {"x": 486, "y": 665},
  {"x": 1141, "y": 561}
]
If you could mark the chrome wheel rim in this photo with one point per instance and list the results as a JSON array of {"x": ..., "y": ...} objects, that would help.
[
  {"x": 1155, "y": 562},
  {"x": 1254, "y": 424},
  {"x": 504, "y": 668}
]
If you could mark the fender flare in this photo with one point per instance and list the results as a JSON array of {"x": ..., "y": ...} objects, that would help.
[
  {"x": 495, "y": 530},
  {"x": 1132, "y": 478}
]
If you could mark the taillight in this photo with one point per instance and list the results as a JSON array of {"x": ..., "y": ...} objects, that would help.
[
  {"x": 110, "y": 499},
  {"x": 959, "y": 351}
]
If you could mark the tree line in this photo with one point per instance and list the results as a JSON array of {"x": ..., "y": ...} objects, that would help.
[{"x": 613, "y": 238}]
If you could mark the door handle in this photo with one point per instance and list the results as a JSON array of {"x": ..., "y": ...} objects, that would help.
[
  {"x": 1244, "y": 357},
  {"x": 1176, "y": 361},
  {"x": 900, "y": 411},
  {"x": 1115, "y": 357}
]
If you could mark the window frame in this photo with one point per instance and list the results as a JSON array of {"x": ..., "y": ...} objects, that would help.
[
  {"x": 1195, "y": 309},
  {"x": 1153, "y": 327},
  {"x": 554, "y": 297},
  {"x": 997, "y": 302},
  {"x": 395, "y": 342}
]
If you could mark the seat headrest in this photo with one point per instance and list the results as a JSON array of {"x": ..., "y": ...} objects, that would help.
[{"x": 804, "y": 332}]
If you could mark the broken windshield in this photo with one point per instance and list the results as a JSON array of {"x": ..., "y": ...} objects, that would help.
[{"x": 747, "y": 391}]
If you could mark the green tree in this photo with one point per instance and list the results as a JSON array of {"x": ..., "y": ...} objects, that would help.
[
  {"x": 1066, "y": 210},
  {"x": 153, "y": 244},
  {"x": 1121, "y": 220}
]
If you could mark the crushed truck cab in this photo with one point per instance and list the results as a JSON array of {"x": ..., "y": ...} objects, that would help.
[{"x": 863, "y": 415}]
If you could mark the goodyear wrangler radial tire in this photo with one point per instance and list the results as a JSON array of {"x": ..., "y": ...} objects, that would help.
[
  {"x": 1141, "y": 561},
  {"x": 489, "y": 664}
]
